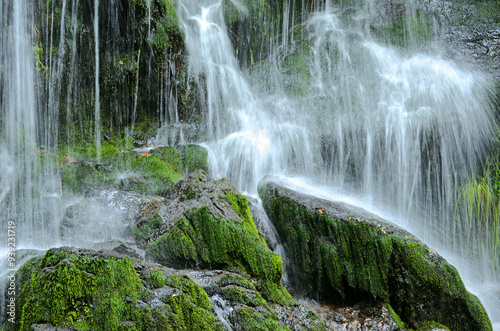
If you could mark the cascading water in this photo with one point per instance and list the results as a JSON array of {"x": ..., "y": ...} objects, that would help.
[
  {"x": 401, "y": 130},
  {"x": 31, "y": 191},
  {"x": 97, "y": 122},
  {"x": 256, "y": 135}
]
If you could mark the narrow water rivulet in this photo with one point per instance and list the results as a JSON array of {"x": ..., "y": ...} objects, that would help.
[{"x": 398, "y": 131}]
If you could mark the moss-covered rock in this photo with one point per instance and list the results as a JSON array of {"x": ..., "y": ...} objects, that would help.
[
  {"x": 200, "y": 240},
  {"x": 82, "y": 289},
  {"x": 160, "y": 175},
  {"x": 81, "y": 177},
  {"x": 194, "y": 157},
  {"x": 84, "y": 168},
  {"x": 171, "y": 155},
  {"x": 208, "y": 224},
  {"x": 77, "y": 289},
  {"x": 183, "y": 304},
  {"x": 345, "y": 255}
]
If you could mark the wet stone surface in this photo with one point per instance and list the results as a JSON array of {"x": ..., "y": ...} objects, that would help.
[{"x": 355, "y": 318}]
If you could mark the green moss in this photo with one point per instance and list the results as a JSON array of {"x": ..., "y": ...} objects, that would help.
[
  {"x": 23, "y": 288},
  {"x": 409, "y": 31},
  {"x": 125, "y": 144},
  {"x": 197, "y": 295},
  {"x": 343, "y": 261},
  {"x": 194, "y": 157},
  {"x": 158, "y": 173},
  {"x": 352, "y": 261},
  {"x": 249, "y": 319},
  {"x": 400, "y": 324},
  {"x": 237, "y": 295},
  {"x": 296, "y": 70},
  {"x": 78, "y": 177},
  {"x": 81, "y": 292},
  {"x": 238, "y": 281},
  {"x": 86, "y": 290},
  {"x": 430, "y": 326},
  {"x": 240, "y": 205},
  {"x": 154, "y": 280},
  {"x": 109, "y": 151},
  {"x": 420, "y": 281},
  {"x": 48, "y": 161},
  {"x": 141, "y": 233},
  {"x": 165, "y": 29},
  {"x": 170, "y": 155},
  {"x": 200, "y": 240},
  {"x": 189, "y": 310},
  {"x": 276, "y": 293}
]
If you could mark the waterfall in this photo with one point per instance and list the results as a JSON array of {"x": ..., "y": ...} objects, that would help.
[
  {"x": 97, "y": 119},
  {"x": 30, "y": 184},
  {"x": 256, "y": 135},
  {"x": 322, "y": 99},
  {"x": 398, "y": 130},
  {"x": 30, "y": 187}
]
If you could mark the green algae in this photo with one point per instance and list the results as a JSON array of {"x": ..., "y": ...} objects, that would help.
[
  {"x": 81, "y": 292},
  {"x": 200, "y": 240},
  {"x": 88, "y": 290},
  {"x": 348, "y": 261},
  {"x": 194, "y": 157},
  {"x": 251, "y": 320}
]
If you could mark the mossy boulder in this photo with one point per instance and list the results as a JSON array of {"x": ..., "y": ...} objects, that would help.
[
  {"x": 81, "y": 289},
  {"x": 78, "y": 289},
  {"x": 160, "y": 175},
  {"x": 194, "y": 157},
  {"x": 208, "y": 224},
  {"x": 84, "y": 168},
  {"x": 344, "y": 255}
]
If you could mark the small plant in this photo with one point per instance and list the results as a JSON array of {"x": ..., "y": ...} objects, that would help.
[{"x": 478, "y": 210}]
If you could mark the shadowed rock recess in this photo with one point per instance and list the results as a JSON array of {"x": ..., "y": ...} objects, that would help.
[{"x": 344, "y": 255}]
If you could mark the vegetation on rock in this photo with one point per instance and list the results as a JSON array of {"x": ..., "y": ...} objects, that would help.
[{"x": 347, "y": 258}]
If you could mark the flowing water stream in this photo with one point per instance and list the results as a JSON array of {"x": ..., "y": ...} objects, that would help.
[
  {"x": 395, "y": 131},
  {"x": 333, "y": 110}
]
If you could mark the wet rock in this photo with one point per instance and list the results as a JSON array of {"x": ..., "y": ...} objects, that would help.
[
  {"x": 124, "y": 248},
  {"x": 264, "y": 225},
  {"x": 355, "y": 318},
  {"x": 194, "y": 157},
  {"x": 345, "y": 255},
  {"x": 96, "y": 218},
  {"x": 103, "y": 290},
  {"x": 196, "y": 191},
  {"x": 47, "y": 327}
]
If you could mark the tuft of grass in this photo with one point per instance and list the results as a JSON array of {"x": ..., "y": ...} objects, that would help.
[{"x": 478, "y": 210}]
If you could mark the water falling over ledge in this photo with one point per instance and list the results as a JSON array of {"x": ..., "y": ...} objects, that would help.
[
  {"x": 402, "y": 130},
  {"x": 398, "y": 130}
]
